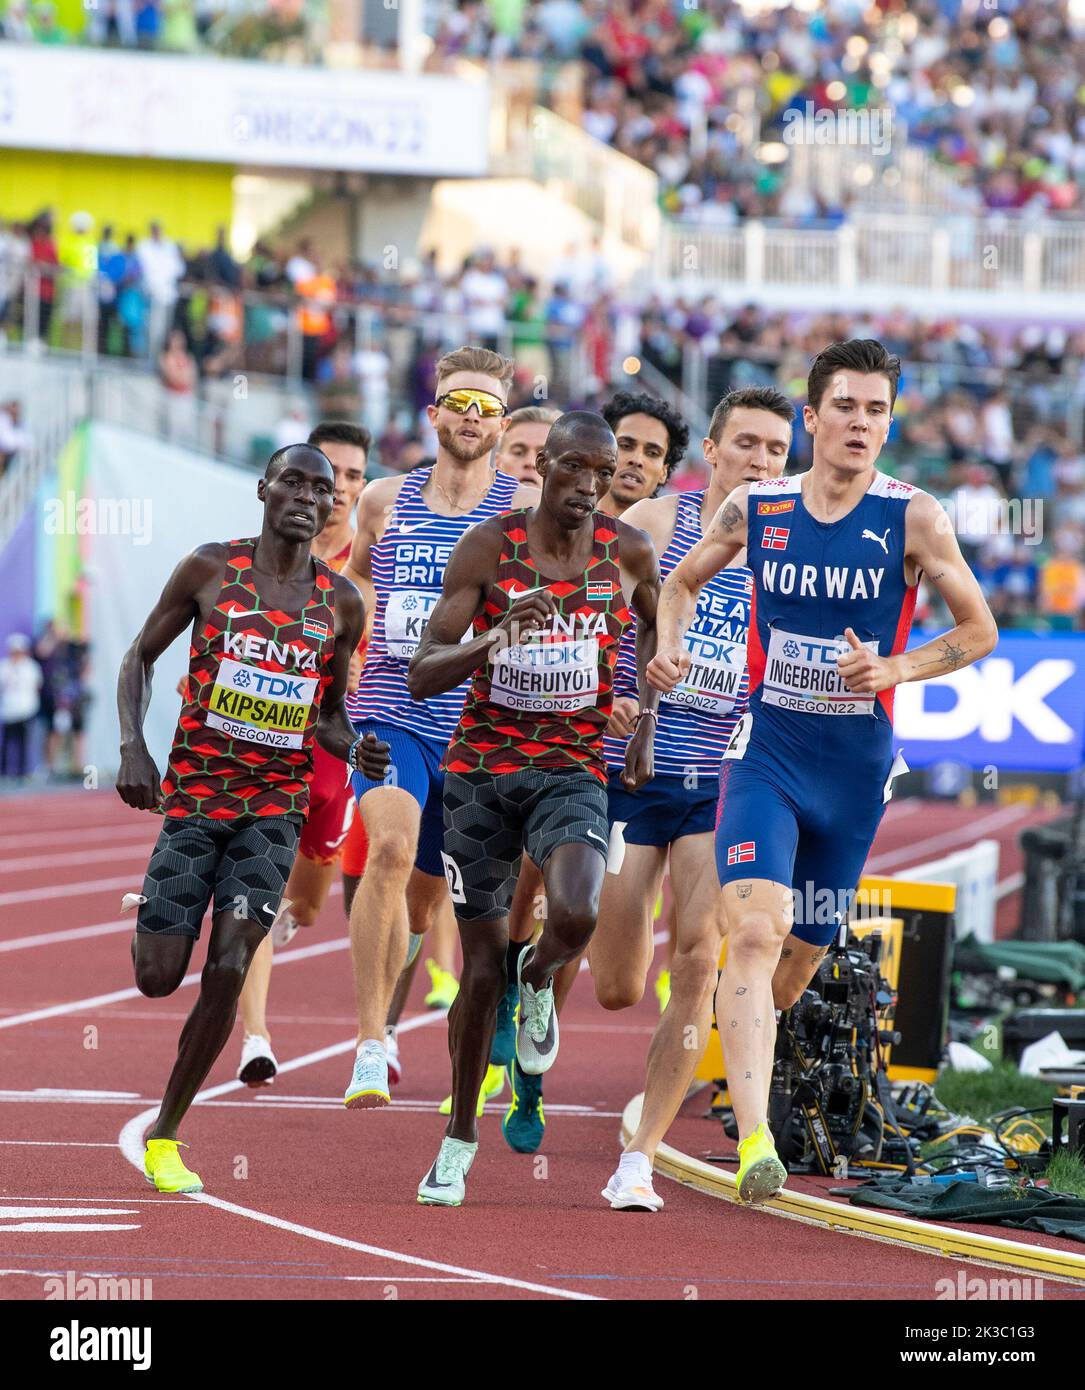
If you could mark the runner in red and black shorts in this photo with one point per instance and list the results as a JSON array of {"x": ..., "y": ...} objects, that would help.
[
  {"x": 273, "y": 633},
  {"x": 549, "y": 589},
  {"x": 331, "y": 804}
]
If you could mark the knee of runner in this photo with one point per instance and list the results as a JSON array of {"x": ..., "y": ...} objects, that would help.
[
  {"x": 755, "y": 939},
  {"x": 695, "y": 969},
  {"x": 572, "y": 922},
  {"x": 224, "y": 976},
  {"x": 483, "y": 974},
  {"x": 391, "y": 851},
  {"x": 618, "y": 992},
  {"x": 154, "y": 982}
]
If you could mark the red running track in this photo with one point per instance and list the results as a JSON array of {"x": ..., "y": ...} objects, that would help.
[{"x": 307, "y": 1200}]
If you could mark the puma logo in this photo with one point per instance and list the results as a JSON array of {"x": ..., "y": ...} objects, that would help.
[{"x": 883, "y": 541}]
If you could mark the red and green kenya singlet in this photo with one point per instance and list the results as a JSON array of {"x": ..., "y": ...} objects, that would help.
[
  {"x": 257, "y": 675},
  {"x": 545, "y": 703}
]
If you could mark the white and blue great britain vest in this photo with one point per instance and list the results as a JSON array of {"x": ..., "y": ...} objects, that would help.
[
  {"x": 408, "y": 568},
  {"x": 697, "y": 717},
  {"x": 811, "y": 580}
]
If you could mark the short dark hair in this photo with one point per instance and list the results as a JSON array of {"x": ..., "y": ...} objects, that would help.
[
  {"x": 281, "y": 458},
  {"x": 342, "y": 432},
  {"x": 857, "y": 355},
  {"x": 624, "y": 403},
  {"x": 751, "y": 398}
]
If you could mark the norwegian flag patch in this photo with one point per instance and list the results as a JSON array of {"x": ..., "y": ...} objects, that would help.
[
  {"x": 312, "y": 627},
  {"x": 600, "y": 590},
  {"x": 775, "y": 538},
  {"x": 742, "y": 853}
]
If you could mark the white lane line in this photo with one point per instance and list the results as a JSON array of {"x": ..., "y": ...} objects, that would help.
[
  {"x": 130, "y": 1142},
  {"x": 1009, "y": 885},
  {"x": 323, "y": 1278},
  {"x": 59, "y": 1143},
  {"x": 974, "y": 830},
  {"x": 17, "y": 1213},
  {"x": 40, "y": 1227},
  {"x": 53, "y": 938},
  {"x": 75, "y": 1006},
  {"x": 130, "y": 883},
  {"x": 66, "y": 861},
  {"x": 76, "y": 834}
]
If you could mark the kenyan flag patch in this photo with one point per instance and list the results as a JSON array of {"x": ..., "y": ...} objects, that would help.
[
  {"x": 313, "y": 627},
  {"x": 599, "y": 590}
]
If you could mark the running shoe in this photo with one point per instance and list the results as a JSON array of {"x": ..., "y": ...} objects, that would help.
[
  {"x": 445, "y": 1183},
  {"x": 630, "y": 1189},
  {"x": 284, "y": 928},
  {"x": 493, "y": 1083},
  {"x": 760, "y": 1173},
  {"x": 524, "y": 1120},
  {"x": 663, "y": 989},
  {"x": 258, "y": 1064},
  {"x": 503, "y": 1049},
  {"x": 164, "y": 1170},
  {"x": 368, "y": 1087},
  {"x": 537, "y": 1029},
  {"x": 445, "y": 986},
  {"x": 391, "y": 1051}
]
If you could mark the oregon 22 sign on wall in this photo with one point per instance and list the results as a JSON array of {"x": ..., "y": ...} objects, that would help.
[{"x": 1022, "y": 709}]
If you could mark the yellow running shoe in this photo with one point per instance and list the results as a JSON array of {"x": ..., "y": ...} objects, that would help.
[
  {"x": 445, "y": 986},
  {"x": 493, "y": 1083},
  {"x": 164, "y": 1169},
  {"x": 760, "y": 1172},
  {"x": 663, "y": 989}
]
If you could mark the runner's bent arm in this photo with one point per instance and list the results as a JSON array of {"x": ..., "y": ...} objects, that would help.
[
  {"x": 640, "y": 570},
  {"x": 442, "y": 661},
  {"x": 374, "y": 507},
  {"x": 724, "y": 540},
  {"x": 177, "y": 608},
  {"x": 334, "y": 731},
  {"x": 931, "y": 547}
]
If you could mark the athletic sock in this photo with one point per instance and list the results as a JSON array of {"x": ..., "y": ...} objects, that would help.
[
  {"x": 513, "y": 952},
  {"x": 635, "y": 1167}
]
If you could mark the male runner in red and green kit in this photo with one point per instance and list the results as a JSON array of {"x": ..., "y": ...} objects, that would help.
[
  {"x": 331, "y": 802},
  {"x": 549, "y": 589},
  {"x": 273, "y": 633}
]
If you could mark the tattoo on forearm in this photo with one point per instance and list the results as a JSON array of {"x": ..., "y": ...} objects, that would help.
[
  {"x": 951, "y": 657},
  {"x": 731, "y": 517}
]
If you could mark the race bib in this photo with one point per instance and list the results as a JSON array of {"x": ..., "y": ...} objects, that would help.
[
  {"x": 801, "y": 675},
  {"x": 405, "y": 617},
  {"x": 546, "y": 677},
  {"x": 261, "y": 706},
  {"x": 712, "y": 682}
]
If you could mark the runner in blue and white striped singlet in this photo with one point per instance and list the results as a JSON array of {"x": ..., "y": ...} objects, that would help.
[
  {"x": 407, "y": 530},
  {"x": 674, "y": 815}
]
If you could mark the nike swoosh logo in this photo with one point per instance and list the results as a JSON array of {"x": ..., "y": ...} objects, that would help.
[
  {"x": 596, "y": 836},
  {"x": 410, "y": 530}
]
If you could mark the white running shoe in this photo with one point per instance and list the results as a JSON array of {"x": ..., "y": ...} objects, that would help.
[
  {"x": 368, "y": 1087},
  {"x": 445, "y": 1183},
  {"x": 537, "y": 1028},
  {"x": 284, "y": 928},
  {"x": 630, "y": 1189},
  {"x": 391, "y": 1051},
  {"x": 258, "y": 1064}
]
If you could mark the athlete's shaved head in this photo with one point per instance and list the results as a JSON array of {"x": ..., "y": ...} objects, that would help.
[
  {"x": 305, "y": 456},
  {"x": 577, "y": 428}
]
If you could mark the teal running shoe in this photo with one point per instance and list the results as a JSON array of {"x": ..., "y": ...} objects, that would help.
[
  {"x": 503, "y": 1049},
  {"x": 524, "y": 1120}
]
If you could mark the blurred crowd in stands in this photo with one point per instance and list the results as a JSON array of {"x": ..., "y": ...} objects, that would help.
[
  {"x": 43, "y": 704},
  {"x": 987, "y": 409},
  {"x": 996, "y": 93}
]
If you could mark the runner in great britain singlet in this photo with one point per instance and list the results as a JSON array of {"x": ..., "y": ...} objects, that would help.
[
  {"x": 809, "y": 767},
  {"x": 408, "y": 568}
]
